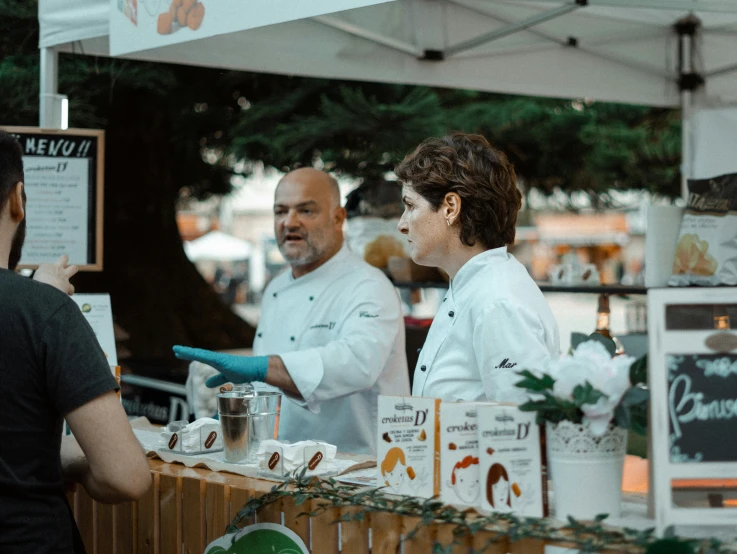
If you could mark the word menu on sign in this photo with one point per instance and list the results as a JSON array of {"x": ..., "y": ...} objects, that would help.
[{"x": 64, "y": 188}]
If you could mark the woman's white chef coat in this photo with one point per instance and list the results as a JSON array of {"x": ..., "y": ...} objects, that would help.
[
  {"x": 340, "y": 332},
  {"x": 493, "y": 322}
]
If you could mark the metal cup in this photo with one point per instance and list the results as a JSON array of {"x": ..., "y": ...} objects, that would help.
[{"x": 246, "y": 420}]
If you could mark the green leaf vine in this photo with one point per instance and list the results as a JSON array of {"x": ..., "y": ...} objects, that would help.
[{"x": 588, "y": 537}]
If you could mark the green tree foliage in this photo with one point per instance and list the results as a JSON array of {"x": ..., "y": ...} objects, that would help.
[{"x": 364, "y": 129}]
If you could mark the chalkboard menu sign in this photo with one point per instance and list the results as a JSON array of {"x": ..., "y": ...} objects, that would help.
[
  {"x": 64, "y": 185},
  {"x": 692, "y": 376},
  {"x": 702, "y": 407}
]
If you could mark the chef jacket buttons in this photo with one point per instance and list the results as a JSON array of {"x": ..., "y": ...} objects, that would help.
[
  {"x": 423, "y": 368},
  {"x": 291, "y": 338},
  {"x": 451, "y": 313},
  {"x": 274, "y": 295},
  {"x": 258, "y": 335},
  {"x": 312, "y": 298}
]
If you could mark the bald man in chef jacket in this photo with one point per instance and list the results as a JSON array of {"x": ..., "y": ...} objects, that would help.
[{"x": 331, "y": 335}]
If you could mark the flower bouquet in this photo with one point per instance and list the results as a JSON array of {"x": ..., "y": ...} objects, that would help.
[{"x": 588, "y": 400}]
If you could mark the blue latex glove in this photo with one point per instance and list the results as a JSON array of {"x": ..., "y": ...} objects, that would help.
[{"x": 233, "y": 369}]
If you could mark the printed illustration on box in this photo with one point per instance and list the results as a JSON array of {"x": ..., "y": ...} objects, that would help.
[
  {"x": 465, "y": 479},
  {"x": 181, "y": 14},
  {"x": 407, "y": 445},
  {"x": 129, "y": 8},
  {"x": 511, "y": 462},
  {"x": 395, "y": 471}
]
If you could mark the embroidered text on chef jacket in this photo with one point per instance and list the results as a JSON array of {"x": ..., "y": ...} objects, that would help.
[
  {"x": 493, "y": 322},
  {"x": 340, "y": 332}
]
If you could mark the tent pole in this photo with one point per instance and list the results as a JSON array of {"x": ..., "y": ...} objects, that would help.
[
  {"x": 50, "y": 102},
  {"x": 686, "y": 138},
  {"x": 689, "y": 81}
]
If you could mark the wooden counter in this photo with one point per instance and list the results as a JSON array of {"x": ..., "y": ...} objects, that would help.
[{"x": 188, "y": 508}]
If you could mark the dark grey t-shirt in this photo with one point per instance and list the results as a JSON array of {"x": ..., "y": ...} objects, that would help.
[{"x": 50, "y": 364}]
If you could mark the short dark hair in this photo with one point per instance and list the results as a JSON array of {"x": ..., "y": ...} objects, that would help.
[
  {"x": 479, "y": 173},
  {"x": 11, "y": 165}
]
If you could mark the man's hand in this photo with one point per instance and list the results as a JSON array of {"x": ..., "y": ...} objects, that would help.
[
  {"x": 57, "y": 275},
  {"x": 233, "y": 369}
]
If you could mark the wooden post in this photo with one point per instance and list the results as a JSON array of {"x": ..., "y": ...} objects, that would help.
[
  {"x": 83, "y": 510},
  {"x": 355, "y": 534},
  {"x": 104, "y": 535},
  {"x": 386, "y": 530},
  {"x": 239, "y": 497},
  {"x": 298, "y": 524},
  {"x": 193, "y": 515},
  {"x": 325, "y": 530},
  {"x": 527, "y": 546},
  {"x": 147, "y": 507},
  {"x": 170, "y": 502},
  {"x": 123, "y": 538},
  {"x": 217, "y": 510},
  {"x": 490, "y": 543},
  {"x": 424, "y": 538},
  {"x": 270, "y": 513},
  {"x": 445, "y": 537}
]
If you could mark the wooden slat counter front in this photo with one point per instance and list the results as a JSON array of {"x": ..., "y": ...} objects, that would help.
[{"x": 186, "y": 509}]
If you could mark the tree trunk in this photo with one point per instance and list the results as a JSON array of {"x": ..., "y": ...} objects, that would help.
[{"x": 158, "y": 296}]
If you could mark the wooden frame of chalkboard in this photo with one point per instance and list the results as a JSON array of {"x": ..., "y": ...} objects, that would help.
[
  {"x": 693, "y": 403},
  {"x": 64, "y": 180}
]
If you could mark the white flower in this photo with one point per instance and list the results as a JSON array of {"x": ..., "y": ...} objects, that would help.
[{"x": 592, "y": 363}]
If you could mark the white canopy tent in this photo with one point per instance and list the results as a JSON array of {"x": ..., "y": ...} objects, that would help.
[
  {"x": 651, "y": 52},
  {"x": 218, "y": 246}
]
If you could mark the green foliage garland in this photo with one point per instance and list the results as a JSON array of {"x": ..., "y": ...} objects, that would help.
[{"x": 588, "y": 537}]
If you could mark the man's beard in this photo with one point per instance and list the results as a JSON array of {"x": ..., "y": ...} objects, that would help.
[
  {"x": 309, "y": 253},
  {"x": 16, "y": 247}
]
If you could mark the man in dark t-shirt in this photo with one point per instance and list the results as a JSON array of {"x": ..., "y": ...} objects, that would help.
[{"x": 51, "y": 367}]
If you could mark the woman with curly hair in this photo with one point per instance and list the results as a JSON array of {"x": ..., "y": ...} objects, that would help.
[{"x": 461, "y": 202}]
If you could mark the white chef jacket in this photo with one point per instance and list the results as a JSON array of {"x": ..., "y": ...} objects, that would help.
[
  {"x": 493, "y": 322},
  {"x": 340, "y": 332}
]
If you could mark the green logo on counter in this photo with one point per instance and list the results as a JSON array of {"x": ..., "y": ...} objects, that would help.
[{"x": 261, "y": 538}]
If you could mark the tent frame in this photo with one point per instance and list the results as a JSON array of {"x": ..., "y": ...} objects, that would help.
[{"x": 689, "y": 81}]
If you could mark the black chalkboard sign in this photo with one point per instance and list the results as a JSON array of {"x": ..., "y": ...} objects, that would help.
[
  {"x": 64, "y": 172},
  {"x": 702, "y": 406}
]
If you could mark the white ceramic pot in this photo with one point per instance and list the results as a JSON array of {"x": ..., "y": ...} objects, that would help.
[{"x": 586, "y": 470}]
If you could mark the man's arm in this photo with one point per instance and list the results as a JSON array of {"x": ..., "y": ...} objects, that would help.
[
  {"x": 278, "y": 376},
  {"x": 355, "y": 359},
  {"x": 108, "y": 460},
  {"x": 351, "y": 362}
]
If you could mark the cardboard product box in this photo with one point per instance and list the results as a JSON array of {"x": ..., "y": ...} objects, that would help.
[
  {"x": 511, "y": 462},
  {"x": 408, "y": 450},
  {"x": 459, "y": 453}
]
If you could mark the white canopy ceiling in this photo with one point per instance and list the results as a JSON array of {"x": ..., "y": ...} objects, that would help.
[{"x": 616, "y": 50}]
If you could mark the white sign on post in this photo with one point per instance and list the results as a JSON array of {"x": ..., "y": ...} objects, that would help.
[
  {"x": 137, "y": 25},
  {"x": 98, "y": 312},
  {"x": 693, "y": 397}
]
